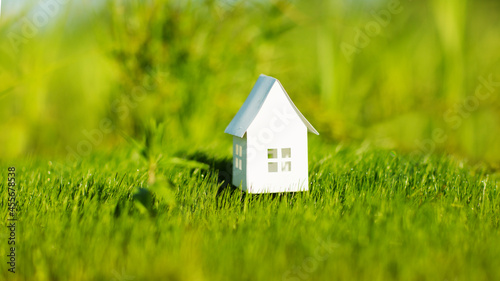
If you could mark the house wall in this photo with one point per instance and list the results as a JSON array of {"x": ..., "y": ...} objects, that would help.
[
  {"x": 277, "y": 126},
  {"x": 240, "y": 172}
]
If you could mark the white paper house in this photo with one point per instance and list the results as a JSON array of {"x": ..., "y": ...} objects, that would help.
[{"x": 270, "y": 141}]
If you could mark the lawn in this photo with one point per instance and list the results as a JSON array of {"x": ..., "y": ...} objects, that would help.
[
  {"x": 371, "y": 214},
  {"x": 113, "y": 112}
]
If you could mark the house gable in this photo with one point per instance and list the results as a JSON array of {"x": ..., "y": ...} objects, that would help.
[
  {"x": 253, "y": 104},
  {"x": 277, "y": 130},
  {"x": 277, "y": 117}
]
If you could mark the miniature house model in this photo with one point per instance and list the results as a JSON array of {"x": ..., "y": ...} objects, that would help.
[{"x": 270, "y": 141}]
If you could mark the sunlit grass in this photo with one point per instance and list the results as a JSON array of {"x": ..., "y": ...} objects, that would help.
[
  {"x": 113, "y": 114},
  {"x": 370, "y": 214}
]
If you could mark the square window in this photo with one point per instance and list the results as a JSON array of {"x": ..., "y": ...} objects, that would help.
[
  {"x": 286, "y": 153},
  {"x": 273, "y": 167},
  {"x": 286, "y": 166},
  {"x": 272, "y": 153}
]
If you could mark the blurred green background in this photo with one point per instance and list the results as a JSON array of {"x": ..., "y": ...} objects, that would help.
[{"x": 399, "y": 74}]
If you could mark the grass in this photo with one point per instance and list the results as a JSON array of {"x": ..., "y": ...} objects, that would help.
[
  {"x": 149, "y": 200},
  {"x": 370, "y": 215}
]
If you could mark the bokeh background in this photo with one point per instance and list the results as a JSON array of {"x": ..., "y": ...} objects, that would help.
[{"x": 401, "y": 75}]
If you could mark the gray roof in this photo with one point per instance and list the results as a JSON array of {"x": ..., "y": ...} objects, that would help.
[{"x": 247, "y": 113}]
